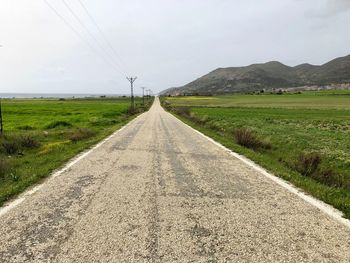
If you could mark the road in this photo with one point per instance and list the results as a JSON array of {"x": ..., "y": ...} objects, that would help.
[{"x": 157, "y": 191}]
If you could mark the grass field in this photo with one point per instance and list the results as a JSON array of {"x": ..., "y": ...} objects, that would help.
[
  {"x": 337, "y": 99},
  {"x": 304, "y": 138},
  {"x": 40, "y": 135}
]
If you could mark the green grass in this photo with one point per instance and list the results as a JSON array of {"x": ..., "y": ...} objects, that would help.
[
  {"x": 338, "y": 99},
  {"x": 307, "y": 127},
  {"x": 45, "y": 134}
]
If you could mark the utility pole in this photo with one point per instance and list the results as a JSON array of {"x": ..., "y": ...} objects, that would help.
[
  {"x": 143, "y": 95},
  {"x": 132, "y": 80}
]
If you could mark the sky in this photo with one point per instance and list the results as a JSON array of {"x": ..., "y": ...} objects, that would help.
[{"x": 165, "y": 43}]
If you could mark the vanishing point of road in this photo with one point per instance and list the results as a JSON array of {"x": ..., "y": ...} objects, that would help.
[{"x": 157, "y": 191}]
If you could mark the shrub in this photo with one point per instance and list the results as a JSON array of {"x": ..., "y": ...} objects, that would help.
[
  {"x": 204, "y": 119},
  {"x": 201, "y": 120},
  {"x": 308, "y": 163},
  {"x": 249, "y": 139},
  {"x": 182, "y": 111},
  {"x": 28, "y": 141},
  {"x": 13, "y": 144},
  {"x": 197, "y": 119},
  {"x": 81, "y": 134},
  {"x": 56, "y": 124},
  {"x": 10, "y": 146},
  {"x": 328, "y": 177}
]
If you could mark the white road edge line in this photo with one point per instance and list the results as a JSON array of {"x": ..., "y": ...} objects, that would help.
[
  {"x": 22, "y": 197},
  {"x": 326, "y": 208}
]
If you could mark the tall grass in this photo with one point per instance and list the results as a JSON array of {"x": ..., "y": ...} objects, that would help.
[
  {"x": 16, "y": 143},
  {"x": 309, "y": 164},
  {"x": 249, "y": 139},
  {"x": 80, "y": 134}
]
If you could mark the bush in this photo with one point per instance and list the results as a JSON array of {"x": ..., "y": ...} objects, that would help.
[
  {"x": 249, "y": 139},
  {"x": 201, "y": 120},
  {"x": 28, "y": 141},
  {"x": 197, "y": 119},
  {"x": 182, "y": 111},
  {"x": 56, "y": 124},
  {"x": 308, "y": 163},
  {"x": 10, "y": 146},
  {"x": 204, "y": 119},
  {"x": 328, "y": 177},
  {"x": 13, "y": 144},
  {"x": 81, "y": 134}
]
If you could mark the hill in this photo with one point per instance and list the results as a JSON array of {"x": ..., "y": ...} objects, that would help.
[{"x": 267, "y": 76}]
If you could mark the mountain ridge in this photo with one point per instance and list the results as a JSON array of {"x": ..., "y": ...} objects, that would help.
[{"x": 271, "y": 75}]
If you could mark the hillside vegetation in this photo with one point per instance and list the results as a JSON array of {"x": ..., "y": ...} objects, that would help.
[{"x": 268, "y": 76}]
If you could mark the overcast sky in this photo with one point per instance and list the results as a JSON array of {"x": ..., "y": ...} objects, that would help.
[{"x": 165, "y": 43}]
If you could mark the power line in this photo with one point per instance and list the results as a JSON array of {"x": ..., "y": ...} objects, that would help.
[
  {"x": 66, "y": 22},
  {"x": 91, "y": 35},
  {"x": 101, "y": 32},
  {"x": 79, "y": 35}
]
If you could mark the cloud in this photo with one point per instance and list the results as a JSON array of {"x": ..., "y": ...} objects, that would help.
[
  {"x": 164, "y": 43},
  {"x": 335, "y": 7},
  {"x": 325, "y": 11}
]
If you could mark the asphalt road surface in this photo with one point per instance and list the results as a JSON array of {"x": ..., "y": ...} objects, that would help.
[{"x": 157, "y": 191}]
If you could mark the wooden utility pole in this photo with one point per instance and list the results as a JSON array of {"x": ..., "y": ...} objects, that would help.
[{"x": 132, "y": 80}]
